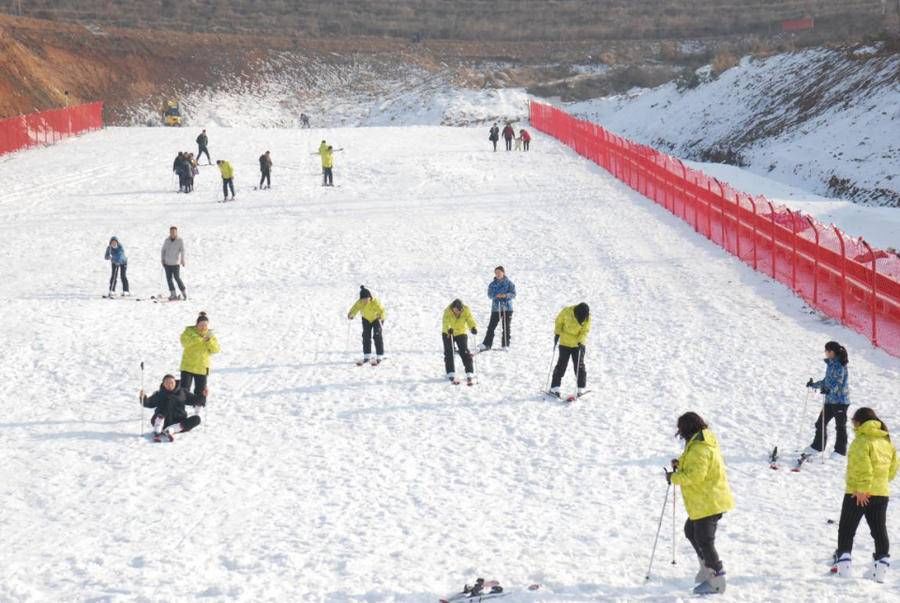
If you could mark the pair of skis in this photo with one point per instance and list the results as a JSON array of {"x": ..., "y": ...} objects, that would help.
[
  {"x": 568, "y": 399},
  {"x": 773, "y": 460},
  {"x": 371, "y": 362},
  {"x": 484, "y": 590}
]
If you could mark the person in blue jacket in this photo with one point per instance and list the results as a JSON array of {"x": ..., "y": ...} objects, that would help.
[
  {"x": 502, "y": 291},
  {"x": 115, "y": 253},
  {"x": 836, "y": 389}
]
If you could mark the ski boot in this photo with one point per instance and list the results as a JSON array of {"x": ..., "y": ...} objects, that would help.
[
  {"x": 714, "y": 585},
  {"x": 842, "y": 565},
  {"x": 879, "y": 569}
]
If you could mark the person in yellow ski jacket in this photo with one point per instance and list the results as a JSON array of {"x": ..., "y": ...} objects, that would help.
[
  {"x": 871, "y": 466},
  {"x": 573, "y": 323},
  {"x": 704, "y": 487},
  {"x": 227, "y": 178},
  {"x": 326, "y": 153},
  {"x": 199, "y": 344},
  {"x": 373, "y": 316},
  {"x": 458, "y": 322}
]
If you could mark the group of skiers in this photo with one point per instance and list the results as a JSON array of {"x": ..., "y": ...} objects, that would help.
[
  {"x": 185, "y": 167},
  {"x": 522, "y": 141},
  {"x": 171, "y": 256}
]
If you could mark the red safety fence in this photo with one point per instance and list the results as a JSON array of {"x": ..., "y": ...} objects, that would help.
[
  {"x": 842, "y": 276},
  {"x": 48, "y": 127}
]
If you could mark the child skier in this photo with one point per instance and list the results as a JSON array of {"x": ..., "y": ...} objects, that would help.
[
  {"x": 704, "y": 487},
  {"x": 199, "y": 344},
  {"x": 169, "y": 416},
  {"x": 871, "y": 466},
  {"x": 457, "y": 324},
  {"x": 836, "y": 388},
  {"x": 526, "y": 138},
  {"x": 373, "y": 315},
  {"x": 571, "y": 329},
  {"x": 115, "y": 253},
  {"x": 501, "y": 291}
]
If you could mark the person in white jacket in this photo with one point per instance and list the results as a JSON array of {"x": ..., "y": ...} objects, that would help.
[{"x": 172, "y": 261}]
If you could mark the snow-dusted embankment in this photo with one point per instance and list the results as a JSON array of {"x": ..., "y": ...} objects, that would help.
[{"x": 314, "y": 480}]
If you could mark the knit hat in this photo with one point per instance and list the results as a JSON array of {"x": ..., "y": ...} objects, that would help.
[
  {"x": 364, "y": 293},
  {"x": 456, "y": 304},
  {"x": 582, "y": 312}
]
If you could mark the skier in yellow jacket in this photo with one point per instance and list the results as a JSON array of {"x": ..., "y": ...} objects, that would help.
[
  {"x": 704, "y": 487},
  {"x": 871, "y": 466},
  {"x": 457, "y": 324},
  {"x": 373, "y": 316},
  {"x": 326, "y": 152},
  {"x": 227, "y": 178},
  {"x": 199, "y": 344},
  {"x": 573, "y": 323}
]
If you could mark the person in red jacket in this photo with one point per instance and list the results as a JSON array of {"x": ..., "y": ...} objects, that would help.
[
  {"x": 526, "y": 138},
  {"x": 508, "y": 135}
]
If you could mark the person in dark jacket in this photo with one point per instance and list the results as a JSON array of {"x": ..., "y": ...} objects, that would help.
[
  {"x": 265, "y": 168},
  {"x": 502, "y": 292},
  {"x": 169, "y": 416},
  {"x": 508, "y": 135},
  {"x": 202, "y": 141},
  {"x": 115, "y": 253},
  {"x": 835, "y": 386},
  {"x": 494, "y": 136},
  {"x": 178, "y": 168}
]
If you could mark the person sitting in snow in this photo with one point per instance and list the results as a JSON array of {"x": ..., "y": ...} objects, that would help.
[{"x": 169, "y": 416}]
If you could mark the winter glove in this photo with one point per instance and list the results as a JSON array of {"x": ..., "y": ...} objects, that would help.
[
  {"x": 669, "y": 477},
  {"x": 809, "y": 383},
  {"x": 555, "y": 339},
  {"x": 474, "y": 331},
  {"x": 825, "y": 391},
  {"x": 674, "y": 464},
  {"x": 450, "y": 332}
]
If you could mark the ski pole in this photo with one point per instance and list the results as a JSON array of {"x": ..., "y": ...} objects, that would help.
[
  {"x": 658, "y": 528},
  {"x": 800, "y": 426},
  {"x": 579, "y": 358},
  {"x": 550, "y": 368},
  {"x": 472, "y": 346},
  {"x": 824, "y": 435},
  {"x": 142, "y": 398},
  {"x": 349, "y": 327},
  {"x": 674, "y": 500}
]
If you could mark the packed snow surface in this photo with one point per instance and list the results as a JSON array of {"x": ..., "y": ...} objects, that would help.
[{"x": 311, "y": 479}]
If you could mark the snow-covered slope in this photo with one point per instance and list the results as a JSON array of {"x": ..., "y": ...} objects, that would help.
[
  {"x": 823, "y": 120},
  {"x": 314, "y": 480}
]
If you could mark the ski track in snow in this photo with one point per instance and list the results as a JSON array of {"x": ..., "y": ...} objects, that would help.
[{"x": 312, "y": 479}]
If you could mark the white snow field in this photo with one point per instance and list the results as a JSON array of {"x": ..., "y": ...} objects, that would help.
[{"x": 314, "y": 480}]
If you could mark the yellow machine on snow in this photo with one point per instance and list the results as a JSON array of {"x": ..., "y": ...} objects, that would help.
[{"x": 171, "y": 113}]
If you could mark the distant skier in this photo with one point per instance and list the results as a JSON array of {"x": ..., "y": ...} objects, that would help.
[
  {"x": 508, "y": 135},
  {"x": 265, "y": 169},
  {"x": 202, "y": 141},
  {"x": 169, "y": 416},
  {"x": 457, "y": 324},
  {"x": 172, "y": 261},
  {"x": 571, "y": 329},
  {"x": 526, "y": 138},
  {"x": 304, "y": 120},
  {"x": 871, "y": 466},
  {"x": 373, "y": 316},
  {"x": 836, "y": 388},
  {"x": 494, "y": 136},
  {"x": 115, "y": 253},
  {"x": 199, "y": 344},
  {"x": 326, "y": 152},
  {"x": 704, "y": 487},
  {"x": 501, "y": 292},
  {"x": 181, "y": 168},
  {"x": 227, "y": 178}
]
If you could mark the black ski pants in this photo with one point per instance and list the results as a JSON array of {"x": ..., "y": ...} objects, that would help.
[
  {"x": 462, "y": 348},
  {"x": 495, "y": 145},
  {"x": 577, "y": 357},
  {"x": 327, "y": 178},
  {"x": 116, "y": 271},
  {"x": 838, "y": 412},
  {"x": 198, "y": 381},
  {"x": 497, "y": 318},
  {"x": 702, "y": 535},
  {"x": 372, "y": 330},
  {"x": 187, "y": 424},
  {"x": 508, "y": 143},
  {"x": 228, "y": 183},
  {"x": 876, "y": 516},
  {"x": 525, "y": 144},
  {"x": 201, "y": 151},
  {"x": 174, "y": 273},
  {"x": 266, "y": 177}
]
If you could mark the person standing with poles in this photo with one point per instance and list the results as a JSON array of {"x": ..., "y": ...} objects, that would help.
[
  {"x": 265, "y": 169},
  {"x": 871, "y": 466},
  {"x": 458, "y": 322},
  {"x": 494, "y": 136},
  {"x": 373, "y": 316},
  {"x": 227, "y": 178},
  {"x": 202, "y": 141},
  {"x": 501, "y": 292},
  {"x": 169, "y": 416},
  {"x": 835, "y": 387},
  {"x": 571, "y": 329},
  {"x": 199, "y": 344},
  {"x": 707, "y": 496},
  {"x": 172, "y": 261},
  {"x": 115, "y": 253}
]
